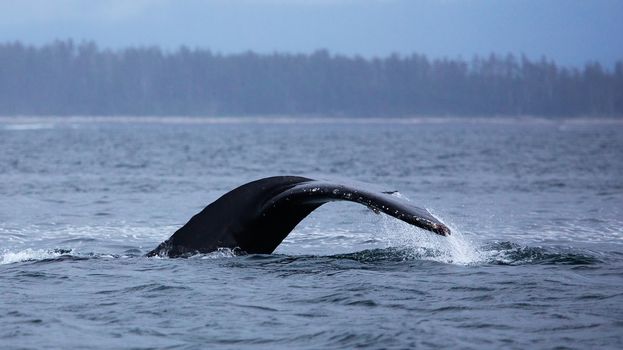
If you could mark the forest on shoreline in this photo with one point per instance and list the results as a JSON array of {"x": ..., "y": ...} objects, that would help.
[{"x": 64, "y": 78}]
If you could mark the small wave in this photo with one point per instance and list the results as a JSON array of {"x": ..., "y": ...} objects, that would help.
[
  {"x": 508, "y": 253},
  {"x": 391, "y": 254}
]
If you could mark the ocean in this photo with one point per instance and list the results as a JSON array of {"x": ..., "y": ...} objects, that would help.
[{"x": 535, "y": 259}]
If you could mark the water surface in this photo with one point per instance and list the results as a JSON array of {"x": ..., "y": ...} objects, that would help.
[{"x": 536, "y": 258}]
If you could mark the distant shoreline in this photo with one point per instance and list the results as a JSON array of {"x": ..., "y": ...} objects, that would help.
[{"x": 67, "y": 79}]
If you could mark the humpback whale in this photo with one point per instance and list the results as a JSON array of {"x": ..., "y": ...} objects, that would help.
[{"x": 255, "y": 217}]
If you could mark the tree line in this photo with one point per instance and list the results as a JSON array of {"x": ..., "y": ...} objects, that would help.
[{"x": 64, "y": 78}]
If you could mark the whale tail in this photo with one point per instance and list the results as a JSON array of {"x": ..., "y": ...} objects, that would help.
[{"x": 258, "y": 216}]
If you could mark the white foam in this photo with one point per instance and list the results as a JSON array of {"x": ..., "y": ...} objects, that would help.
[
  {"x": 218, "y": 254},
  {"x": 10, "y": 257}
]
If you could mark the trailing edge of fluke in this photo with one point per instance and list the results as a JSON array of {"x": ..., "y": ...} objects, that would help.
[{"x": 257, "y": 216}]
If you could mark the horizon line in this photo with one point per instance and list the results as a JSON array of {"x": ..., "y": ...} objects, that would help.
[{"x": 47, "y": 122}]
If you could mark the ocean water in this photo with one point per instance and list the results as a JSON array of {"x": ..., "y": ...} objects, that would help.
[{"x": 535, "y": 259}]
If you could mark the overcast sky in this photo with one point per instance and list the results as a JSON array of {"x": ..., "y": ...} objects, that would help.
[{"x": 571, "y": 32}]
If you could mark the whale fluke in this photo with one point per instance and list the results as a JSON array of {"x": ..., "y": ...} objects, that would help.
[{"x": 257, "y": 216}]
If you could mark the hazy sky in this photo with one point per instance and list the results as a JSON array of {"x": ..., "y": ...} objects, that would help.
[{"x": 571, "y": 32}]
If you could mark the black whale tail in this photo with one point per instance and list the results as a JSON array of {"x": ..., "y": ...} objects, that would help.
[{"x": 257, "y": 216}]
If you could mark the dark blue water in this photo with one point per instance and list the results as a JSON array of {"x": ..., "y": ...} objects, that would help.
[{"x": 536, "y": 258}]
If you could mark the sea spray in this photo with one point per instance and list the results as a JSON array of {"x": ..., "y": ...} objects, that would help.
[{"x": 453, "y": 249}]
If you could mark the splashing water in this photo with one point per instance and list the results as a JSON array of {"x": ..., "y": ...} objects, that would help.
[
  {"x": 453, "y": 249},
  {"x": 412, "y": 243}
]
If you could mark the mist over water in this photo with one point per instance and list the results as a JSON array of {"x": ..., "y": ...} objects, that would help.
[{"x": 534, "y": 259}]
